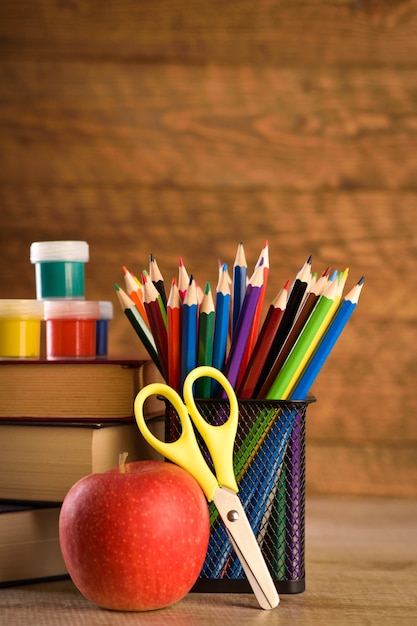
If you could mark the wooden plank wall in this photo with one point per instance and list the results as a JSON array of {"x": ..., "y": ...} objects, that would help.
[{"x": 181, "y": 128}]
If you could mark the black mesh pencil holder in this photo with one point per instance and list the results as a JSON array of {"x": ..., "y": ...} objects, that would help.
[{"x": 269, "y": 465}]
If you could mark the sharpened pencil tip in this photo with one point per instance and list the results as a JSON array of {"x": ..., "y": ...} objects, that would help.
[
  {"x": 361, "y": 280},
  {"x": 117, "y": 287}
]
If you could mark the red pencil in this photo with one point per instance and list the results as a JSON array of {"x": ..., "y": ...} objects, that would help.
[
  {"x": 174, "y": 336},
  {"x": 158, "y": 326},
  {"x": 266, "y": 336},
  {"x": 183, "y": 280}
]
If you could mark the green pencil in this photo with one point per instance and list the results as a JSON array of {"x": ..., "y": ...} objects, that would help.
[
  {"x": 205, "y": 341},
  {"x": 307, "y": 340},
  {"x": 138, "y": 324}
]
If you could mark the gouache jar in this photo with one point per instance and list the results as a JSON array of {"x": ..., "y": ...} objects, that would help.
[
  {"x": 59, "y": 268},
  {"x": 20, "y": 328},
  {"x": 71, "y": 328},
  {"x": 102, "y": 325}
]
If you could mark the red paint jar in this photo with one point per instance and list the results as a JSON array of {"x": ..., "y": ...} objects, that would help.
[{"x": 71, "y": 328}]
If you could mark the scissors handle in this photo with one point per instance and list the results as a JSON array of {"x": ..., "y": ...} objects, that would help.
[
  {"x": 185, "y": 451},
  {"x": 220, "y": 439}
]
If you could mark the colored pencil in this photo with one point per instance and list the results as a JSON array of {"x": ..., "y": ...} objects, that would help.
[
  {"x": 189, "y": 330},
  {"x": 268, "y": 331},
  {"x": 240, "y": 268},
  {"x": 254, "y": 331},
  {"x": 205, "y": 340},
  {"x": 299, "y": 322},
  {"x": 342, "y": 316},
  {"x": 135, "y": 292},
  {"x": 295, "y": 297},
  {"x": 305, "y": 344},
  {"x": 174, "y": 336},
  {"x": 138, "y": 324},
  {"x": 221, "y": 323},
  {"x": 183, "y": 279},
  {"x": 245, "y": 321},
  {"x": 157, "y": 278},
  {"x": 151, "y": 300}
]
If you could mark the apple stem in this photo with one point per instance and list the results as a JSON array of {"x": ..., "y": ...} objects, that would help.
[{"x": 122, "y": 462}]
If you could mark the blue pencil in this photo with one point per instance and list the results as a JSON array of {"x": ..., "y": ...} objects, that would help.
[
  {"x": 189, "y": 330},
  {"x": 221, "y": 322},
  {"x": 240, "y": 271},
  {"x": 345, "y": 310}
]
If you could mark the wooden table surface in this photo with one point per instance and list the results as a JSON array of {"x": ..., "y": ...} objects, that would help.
[{"x": 361, "y": 562}]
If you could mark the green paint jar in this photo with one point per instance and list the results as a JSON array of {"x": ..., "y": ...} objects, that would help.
[{"x": 59, "y": 269}]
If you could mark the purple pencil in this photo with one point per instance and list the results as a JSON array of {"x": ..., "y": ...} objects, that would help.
[{"x": 243, "y": 327}]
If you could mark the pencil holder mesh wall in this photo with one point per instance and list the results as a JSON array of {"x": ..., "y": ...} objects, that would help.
[{"x": 269, "y": 463}]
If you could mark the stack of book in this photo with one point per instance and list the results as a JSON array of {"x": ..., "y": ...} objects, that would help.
[{"x": 59, "y": 421}]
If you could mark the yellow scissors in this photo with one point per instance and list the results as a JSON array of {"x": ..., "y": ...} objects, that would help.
[{"x": 220, "y": 488}]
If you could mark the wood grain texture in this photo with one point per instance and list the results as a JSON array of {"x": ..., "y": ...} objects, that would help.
[
  {"x": 232, "y": 33},
  {"x": 183, "y": 128},
  {"x": 300, "y": 129}
]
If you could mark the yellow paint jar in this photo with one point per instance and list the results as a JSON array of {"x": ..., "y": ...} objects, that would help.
[{"x": 20, "y": 328}]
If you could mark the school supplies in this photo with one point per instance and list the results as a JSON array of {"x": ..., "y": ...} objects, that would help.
[
  {"x": 261, "y": 358},
  {"x": 205, "y": 340},
  {"x": 174, "y": 336},
  {"x": 342, "y": 316},
  {"x": 219, "y": 487},
  {"x": 138, "y": 324}
]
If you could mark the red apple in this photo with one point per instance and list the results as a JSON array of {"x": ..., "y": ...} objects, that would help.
[{"x": 135, "y": 540}]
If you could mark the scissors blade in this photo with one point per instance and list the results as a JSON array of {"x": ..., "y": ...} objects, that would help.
[{"x": 246, "y": 547}]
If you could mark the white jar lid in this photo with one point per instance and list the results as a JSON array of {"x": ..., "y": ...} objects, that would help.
[
  {"x": 23, "y": 309},
  {"x": 59, "y": 251},
  {"x": 72, "y": 309},
  {"x": 106, "y": 310}
]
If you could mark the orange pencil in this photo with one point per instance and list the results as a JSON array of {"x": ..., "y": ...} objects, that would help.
[{"x": 134, "y": 291}]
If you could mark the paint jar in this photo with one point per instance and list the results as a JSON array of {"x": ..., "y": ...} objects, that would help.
[
  {"x": 71, "y": 328},
  {"x": 59, "y": 268},
  {"x": 20, "y": 328},
  {"x": 102, "y": 326}
]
